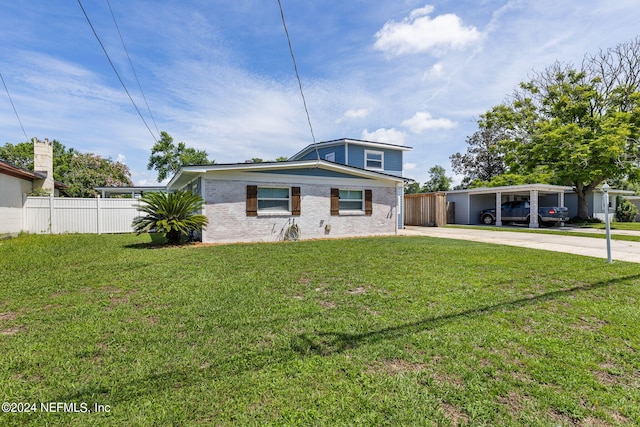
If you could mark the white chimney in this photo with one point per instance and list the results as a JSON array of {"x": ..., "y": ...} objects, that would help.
[{"x": 43, "y": 163}]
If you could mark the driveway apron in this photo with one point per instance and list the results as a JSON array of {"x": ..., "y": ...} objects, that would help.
[{"x": 621, "y": 250}]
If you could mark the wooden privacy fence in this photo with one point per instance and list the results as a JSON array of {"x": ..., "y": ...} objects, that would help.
[
  {"x": 427, "y": 209},
  {"x": 54, "y": 215}
]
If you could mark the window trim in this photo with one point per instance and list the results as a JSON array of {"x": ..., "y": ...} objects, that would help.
[
  {"x": 330, "y": 157},
  {"x": 293, "y": 201},
  {"x": 280, "y": 199},
  {"x": 366, "y": 207},
  {"x": 366, "y": 160}
]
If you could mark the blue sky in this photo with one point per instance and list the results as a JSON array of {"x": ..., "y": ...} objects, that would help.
[{"x": 218, "y": 75}]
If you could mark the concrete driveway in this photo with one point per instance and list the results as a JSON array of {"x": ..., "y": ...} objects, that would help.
[{"x": 620, "y": 250}]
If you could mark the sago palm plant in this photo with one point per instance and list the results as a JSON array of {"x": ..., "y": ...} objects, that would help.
[{"x": 173, "y": 215}]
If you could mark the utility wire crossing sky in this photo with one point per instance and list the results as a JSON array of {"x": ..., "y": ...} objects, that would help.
[{"x": 218, "y": 75}]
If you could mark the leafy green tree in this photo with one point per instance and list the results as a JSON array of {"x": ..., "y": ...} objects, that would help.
[
  {"x": 483, "y": 159},
  {"x": 87, "y": 171},
  {"x": 412, "y": 188},
  {"x": 167, "y": 157},
  {"x": 20, "y": 155},
  {"x": 438, "y": 180},
  {"x": 582, "y": 126},
  {"x": 80, "y": 171},
  {"x": 174, "y": 215}
]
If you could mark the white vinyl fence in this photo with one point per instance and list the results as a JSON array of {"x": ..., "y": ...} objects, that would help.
[{"x": 54, "y": 215}]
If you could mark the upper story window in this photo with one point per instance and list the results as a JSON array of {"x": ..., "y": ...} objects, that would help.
[
  {"x": 373, "y": 160},
  {"x": 331, "y": 157}
]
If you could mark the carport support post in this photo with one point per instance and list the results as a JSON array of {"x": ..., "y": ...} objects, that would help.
[
  {"x": 561, "y": 203},
  {"x": 499, "y": 209},
  {"x": 533, "y": 211}
]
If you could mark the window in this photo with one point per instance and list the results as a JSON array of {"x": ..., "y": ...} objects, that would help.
[
  {"x": 331, "y": 157},
  {"x": 351, "y": 201},
  {"x": 274, "y": 200},
  {"x": 373, "y": 160}
]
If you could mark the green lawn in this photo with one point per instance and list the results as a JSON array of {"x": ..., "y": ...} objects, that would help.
[{"x": 382, "y": 331}]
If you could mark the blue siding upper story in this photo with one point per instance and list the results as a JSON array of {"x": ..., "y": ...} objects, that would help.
[
  {"x": 392, "y": 158},
  {"x": 310, "y": 172},
  {"x": 353, "y": 154},
  {"x": 338, "y": 150}
]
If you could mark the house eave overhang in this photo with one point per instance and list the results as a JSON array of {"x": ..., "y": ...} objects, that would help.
[
  {"x": 16, "y": 172},
  {"x": 524, "y": 188},
  {"x": 188, "y": 173}
]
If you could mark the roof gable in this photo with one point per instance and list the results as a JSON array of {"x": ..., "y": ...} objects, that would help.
[{"x": 336, "y": 142}]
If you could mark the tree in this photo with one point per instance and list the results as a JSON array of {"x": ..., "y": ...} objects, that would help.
[
  {"x": 580, "y": 126},
  {"x": 171, "y": 214},
  {"x": 82, "y": 172},
  {"x": 167, "y": 157},
  {"x": 483, "y": 159},
  {"x": 412, "y": 188},
  {"x": 438, "y": 180},
  {"x": 87, "y": 171}
]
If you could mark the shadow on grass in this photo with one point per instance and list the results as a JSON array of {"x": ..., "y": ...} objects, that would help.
[
  {"x": 151, "y": 245},
  {"x": 327, "y": 343},
  {"x": 114, "y": 392}
]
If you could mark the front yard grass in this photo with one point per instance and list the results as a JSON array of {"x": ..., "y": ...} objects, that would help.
[{"x": 379, "y": 331}]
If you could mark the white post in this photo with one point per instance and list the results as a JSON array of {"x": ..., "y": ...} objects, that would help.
[
  {"x": 561, "y": 203},
  {"x": 605, "y": 189},
  {"x": 51, "y": 214},
  {"x": 24, "y": 212},
  {"x": 499, "y": 209},
  {"x": 533, "y": 209},
  {"x": 98, "y": 224}
]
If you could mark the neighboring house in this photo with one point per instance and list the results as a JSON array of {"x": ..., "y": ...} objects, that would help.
[
  {"x": 369, "y": 155},
  {"x": 251, "y": 202},
  {"x": 469, "y": 203},
  {"x": 15, "y": 182},
  {"x": 636, "y": 201},
  {"x": 595, "y": 203},
  {"x": 135, "y": 192}
]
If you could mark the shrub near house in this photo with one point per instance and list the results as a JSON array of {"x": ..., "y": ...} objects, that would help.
[{"x": 171, "y": 214}]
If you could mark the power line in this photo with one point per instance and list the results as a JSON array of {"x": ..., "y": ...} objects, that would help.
[
  {"x": 116, "y": 71},
  {"x": 14, "y": 108},
  {"x": 295, "y": 67},
  {"x": 132, "y": 67}
]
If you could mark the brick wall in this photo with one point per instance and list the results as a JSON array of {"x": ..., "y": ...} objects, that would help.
[{"x": 226, "y": 209}]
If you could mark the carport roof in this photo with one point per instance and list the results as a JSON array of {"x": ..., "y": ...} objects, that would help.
[{"x": 524, "y": 188}]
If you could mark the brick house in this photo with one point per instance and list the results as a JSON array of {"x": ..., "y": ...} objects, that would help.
[{"x": 323, "y": 196}]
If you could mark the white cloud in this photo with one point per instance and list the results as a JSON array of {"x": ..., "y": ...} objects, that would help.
[
  {"x": 121, "y": 158},
  {"x": 390, "y": 136},
  {"x": 422, "y": 121},
  {"x": 434, "y": 73},
  {"x": 420, "y": 33},
  {"x": 356, "y": 114},
  {"x": 409, "y": 166}
]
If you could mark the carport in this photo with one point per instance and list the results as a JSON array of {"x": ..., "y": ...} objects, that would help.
[{"x": 469, "y": 203}]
